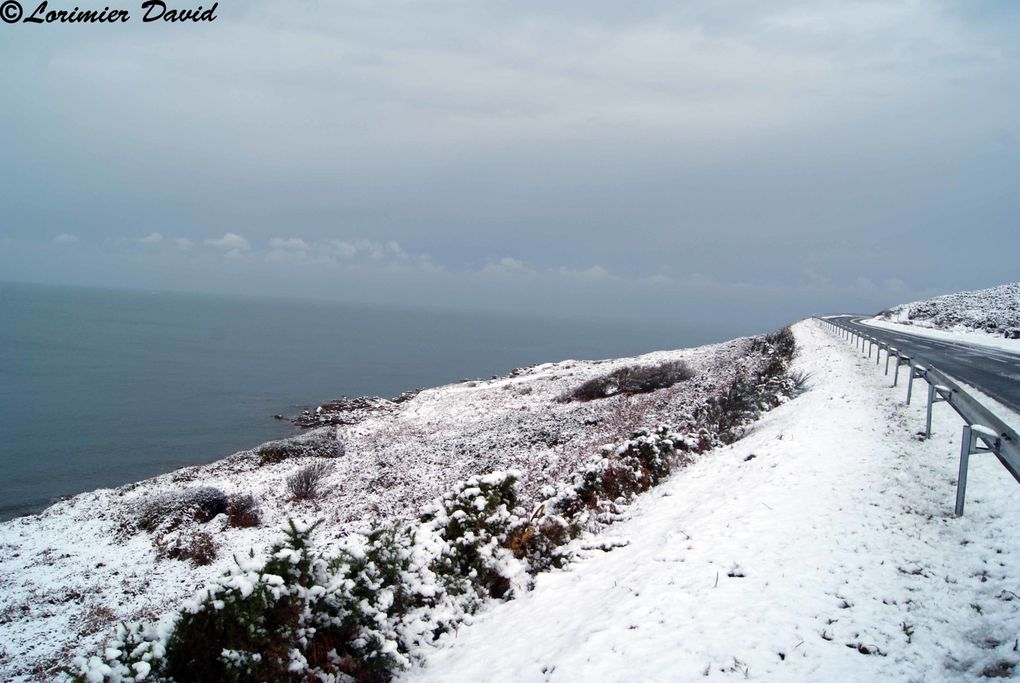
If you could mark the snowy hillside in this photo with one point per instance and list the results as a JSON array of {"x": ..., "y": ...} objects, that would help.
[
  {"x": 995, "y": 310},
  {"x": 822, "y": 547},
  {"x": 137, "y": 552}
]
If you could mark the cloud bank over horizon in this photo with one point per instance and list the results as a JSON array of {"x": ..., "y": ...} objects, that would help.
[{"x": 706, "y": 161}]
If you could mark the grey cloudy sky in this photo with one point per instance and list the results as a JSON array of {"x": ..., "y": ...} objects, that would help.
[{"x": 704, "y": 160}]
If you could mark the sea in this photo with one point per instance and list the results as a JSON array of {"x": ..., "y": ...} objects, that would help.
[{"x": 102, "y": 387}]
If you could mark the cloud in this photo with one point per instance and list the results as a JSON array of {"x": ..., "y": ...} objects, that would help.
[
  {"x": 65, "y": 238},
  {"x": 231, "y": 242},
  {"x": 506, "y": 266},
  {"x": 592, "y": 273},
  {"x": 387, "y": 254},
  {"x": 183, "y": 243},
  {"x": 288, "y": 244},
  {"x": 152, "y": 238}
]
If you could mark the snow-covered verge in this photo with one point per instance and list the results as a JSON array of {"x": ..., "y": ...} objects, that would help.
[
  {"x": 70, "y": 573},
  {"x": 958, "y": 334},
  {"x": 820, "y": 547},
  {"x": 994, "y": 311}
]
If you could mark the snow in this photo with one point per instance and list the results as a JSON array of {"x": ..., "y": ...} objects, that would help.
[
  {"x": 831, "y": 554},
  {"x": 960, "y": 335},
  {"x": 821, "y": 546},
  {"x": 977, "y": 317},
  {"x": 72, "y": 572}
]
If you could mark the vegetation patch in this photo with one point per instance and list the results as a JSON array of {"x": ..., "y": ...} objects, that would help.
[
  {"x": 170, "y": 511},
  {"x": 306, "y": 483},
  {"x": 318, "y": 443},
  {"x": 243, "y": 511},
  {"x": 634, "y": 379},
  {"x": 360, "y": 612}
]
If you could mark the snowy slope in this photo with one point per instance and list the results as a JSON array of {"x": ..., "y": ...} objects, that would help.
[
  {"x": 70, "y": 573},
  {"x": 832, "y": 554},
  {"x": 995, "y": 311}
]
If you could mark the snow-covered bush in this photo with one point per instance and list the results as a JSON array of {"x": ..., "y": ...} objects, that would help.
[
  {"x": 170, "y": 511},
  {"x": 243, "y": 511},
  {"x": 135, "y": 652},
  {"x": 475, "y": 519},
  {"x": 653, "y": 452},
  {"x": 317, "y": 443},
  {"x": 186, "y": 544},
  {"x": 355, "y": 615},
  {"x": 592, "y": 495},
  {"x": 995, "y": 310},
  {"x": 304, "y": 484},
  {"x": 635, "y": 379}
]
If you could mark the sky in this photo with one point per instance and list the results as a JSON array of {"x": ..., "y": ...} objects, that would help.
[{"x": 708, "y": 161}]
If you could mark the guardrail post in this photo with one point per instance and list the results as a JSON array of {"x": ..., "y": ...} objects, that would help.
[
  {"x": 910, "y": 382},
  {"x": 936, "y": 394},
  {"x": 878, "y": 353},
  {"x": 900, "y": 360},
  {"x": 889, "y": 352},
  {"x": 966, "y": 448}
]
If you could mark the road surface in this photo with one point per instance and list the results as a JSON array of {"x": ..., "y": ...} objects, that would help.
[{"x": 992, "y": 371}]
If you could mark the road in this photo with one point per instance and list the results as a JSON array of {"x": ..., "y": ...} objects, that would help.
[{"x": 994, "y": 372}]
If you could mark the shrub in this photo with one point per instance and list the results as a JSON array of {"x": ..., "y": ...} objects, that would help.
[
  {"x": 243, "y": 511},
  {"x": 298, "y": 615},
  {"x": 591, "y": 496},
  {"x": 195, "y": 546},
  {"x": 799, "y": 380},
  {"x": 727, "y": 413},
  {"x": 304, "y": 484},
  {"x": 475, "y": 520},
  {"x": 318, "y": 443},
  {"x": 171, "y": 510},
  {"x": 783, "y": 342},
  {"x": 652, "y": 453},
  {"x": 131, "y": 654},
  {"x": 635, "y": 379}
]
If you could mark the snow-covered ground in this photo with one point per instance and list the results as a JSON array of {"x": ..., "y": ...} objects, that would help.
[
  {"x": 821, "y": 547},
  {"x": 68, "y": 574},
  {"x": 981, "y": 316}
]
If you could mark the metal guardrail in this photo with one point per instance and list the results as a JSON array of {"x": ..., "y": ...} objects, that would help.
[{"x": 983, "y": 433}]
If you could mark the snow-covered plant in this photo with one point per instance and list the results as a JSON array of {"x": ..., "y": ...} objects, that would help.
[
  {"x": 186, "y": 544},
  {"x": 475, "y": 519},
  {"x": 654, "y": 452},
  {"x": 306, "y": 482},
  {"x": 170, "y": 510},
  {"x": 244, "y": 626},
  {"x": 636, "y": 379},
  {"x": 591, "y": 497},
  {"x": 135, "y": 652},
  {"x": 355, "y": 615}
]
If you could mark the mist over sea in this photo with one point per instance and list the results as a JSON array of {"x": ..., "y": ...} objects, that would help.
[{"x": 104, "y": 387}]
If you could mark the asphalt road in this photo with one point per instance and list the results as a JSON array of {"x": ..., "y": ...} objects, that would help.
[{"x": 994, "y": 372}]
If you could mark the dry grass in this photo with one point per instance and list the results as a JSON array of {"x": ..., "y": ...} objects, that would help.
[{"x": 306, "y": 483}]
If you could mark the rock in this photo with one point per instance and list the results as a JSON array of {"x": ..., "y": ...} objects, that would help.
[{"x": 343, "y": 411}]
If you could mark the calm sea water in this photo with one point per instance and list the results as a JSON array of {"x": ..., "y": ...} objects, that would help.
[{"x": 102, "y": 387}]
